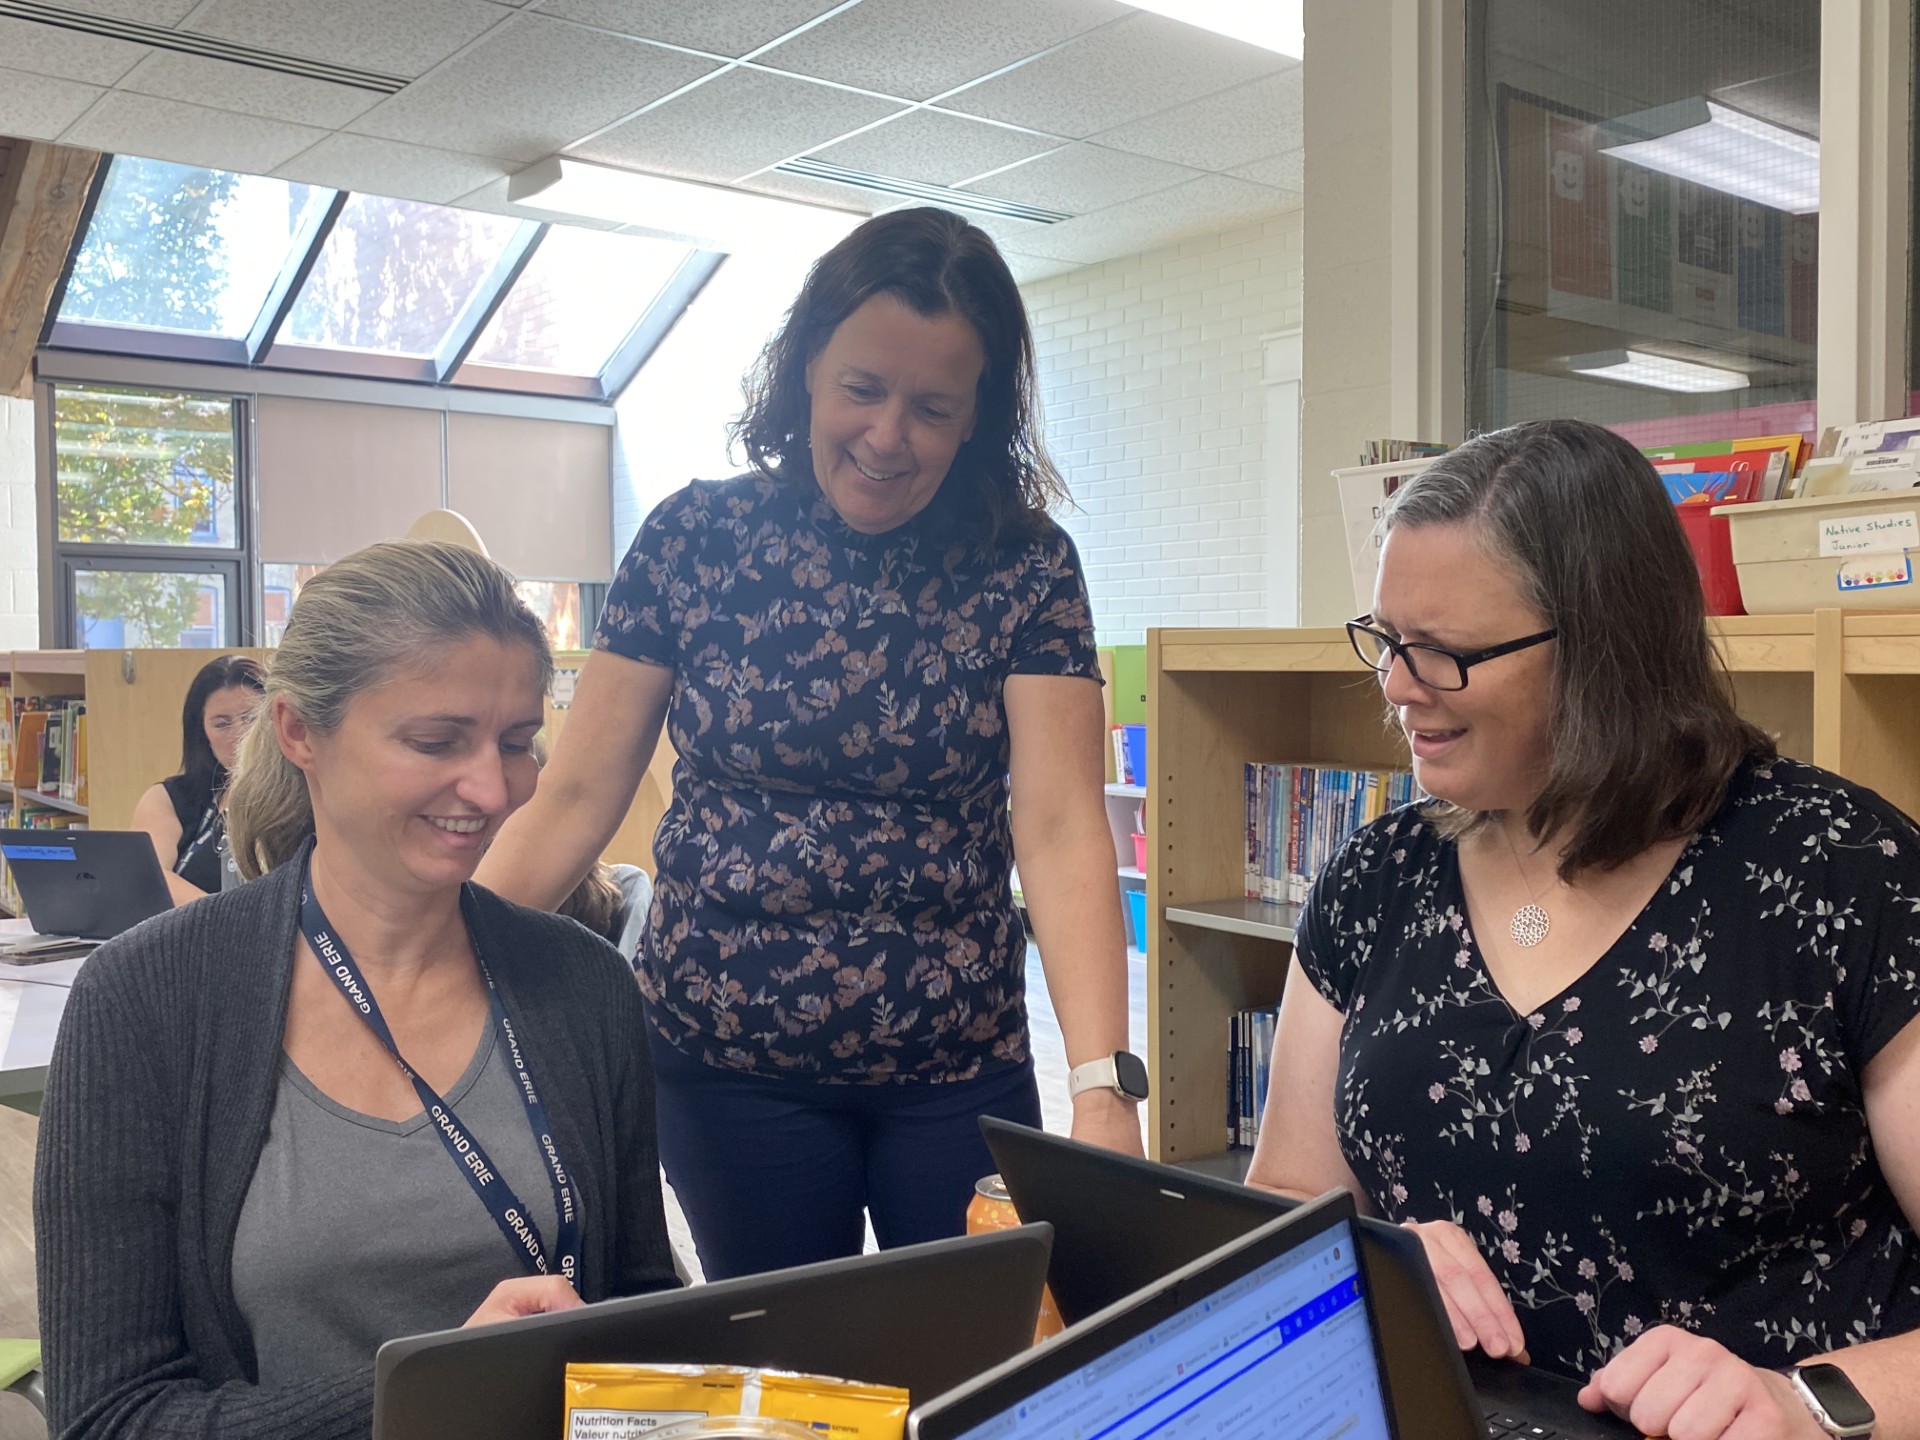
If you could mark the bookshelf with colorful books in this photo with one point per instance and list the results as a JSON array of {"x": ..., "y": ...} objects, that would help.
[{"x": 1837, "y": 689}]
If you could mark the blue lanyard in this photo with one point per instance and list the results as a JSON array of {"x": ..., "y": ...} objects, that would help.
[{"x": 513, "y": 1217}]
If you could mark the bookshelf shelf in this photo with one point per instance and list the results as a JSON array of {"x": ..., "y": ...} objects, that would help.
[
  {"x": 1260, "y": 919},
  {"x": 52, "y": 802},
  {"x": 1129, "y": 872},
  {"x": 1127, "y": 792},
  {"x": 1837, "y": 689}
]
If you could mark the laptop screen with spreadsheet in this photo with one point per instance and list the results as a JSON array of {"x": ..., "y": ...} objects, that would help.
[{"x": 1283, "y": 1352}]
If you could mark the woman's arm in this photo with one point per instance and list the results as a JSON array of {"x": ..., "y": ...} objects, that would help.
[
  {"x": 1071, "y": 885},
  {"x": 612, "y": 729},
  {"x": 154, "y": 814},
  {"x": 1669, "y": 1378},
  {"x": 118, "y": 1364}
]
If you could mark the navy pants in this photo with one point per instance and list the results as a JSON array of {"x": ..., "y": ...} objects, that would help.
[{"x": 775, "y": 1172}]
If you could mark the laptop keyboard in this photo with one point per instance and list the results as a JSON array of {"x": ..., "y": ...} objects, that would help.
[{"x": 1504, "y": 1425}]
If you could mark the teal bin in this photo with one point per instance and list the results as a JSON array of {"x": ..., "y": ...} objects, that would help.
[{"x": 1137, "y": 918}]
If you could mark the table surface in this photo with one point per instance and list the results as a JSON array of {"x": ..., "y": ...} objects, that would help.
[{"x": 32, "y": 998}]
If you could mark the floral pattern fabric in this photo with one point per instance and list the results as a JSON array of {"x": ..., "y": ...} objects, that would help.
[
  {"x": 1679, "y": 1136},
  {"x": 833, "y": 897}
]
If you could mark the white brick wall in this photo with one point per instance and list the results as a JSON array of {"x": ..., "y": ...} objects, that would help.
[
  {"x": 19, "y": 545},
  {"x": 1150, "y": 372}
]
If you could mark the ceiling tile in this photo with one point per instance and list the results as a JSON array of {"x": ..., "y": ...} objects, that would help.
[
  {"x": 736, "y": 123},
  {"x": 193, "y": 78},
  {"x": 148, "y": 12},
  {"x": 530, "y": 89},
  {"x": 39, "y": 107},
  {"x": 189, "y": 134},
  {"x": 60, "y": 54},
  {"x": 936, "y": 148},
  {"x": 392, "y": 37},
  {"x": 1083, "y": 177},
  {"x": 819, "y": 192},
  {"x": 1286, "y": 171},
  {"x": 1222, "y": 130},
  {"x": 1210, "y": 203},
  {"x": 387, "y": 167},
  {"x": 923, "y": 48},
  {"x": 722, "y": 27},
  {"x": 1139, "y": 66}
]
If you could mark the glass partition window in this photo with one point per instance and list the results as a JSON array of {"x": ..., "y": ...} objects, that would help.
[
  {"x": 1643, "y": 232},
  {"x": 182, "y": 248},
  {"x": 581, "y": 295},
  {"x": 395, "y": 275},
  {"x": 138, "y": 467}
]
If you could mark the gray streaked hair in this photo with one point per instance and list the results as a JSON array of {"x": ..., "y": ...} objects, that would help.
[
  {"x": 1642, "y": 727},
  {"x": 359, "y": 623}
]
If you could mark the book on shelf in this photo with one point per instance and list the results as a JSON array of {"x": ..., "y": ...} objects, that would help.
[
  {"x": 1249, "y": 1062},
  {"x": 1299, "y": 815},
  {"x": 49, "y": 751}
]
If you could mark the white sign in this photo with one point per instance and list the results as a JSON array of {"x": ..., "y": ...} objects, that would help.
[
  {"x": 1871, "y": 534},
  {"x": 560, "y": 692}
]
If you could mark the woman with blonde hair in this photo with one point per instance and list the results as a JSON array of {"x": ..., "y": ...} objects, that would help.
[{"x": 238, "y": 1107}]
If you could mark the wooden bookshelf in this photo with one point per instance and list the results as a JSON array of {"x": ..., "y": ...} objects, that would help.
[{"x": 1838, "y": 689}]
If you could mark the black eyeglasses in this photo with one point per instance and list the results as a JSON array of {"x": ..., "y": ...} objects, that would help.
[{"x": 1434, "y": 667}]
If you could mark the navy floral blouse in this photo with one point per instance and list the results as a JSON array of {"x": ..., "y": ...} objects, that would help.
[
  {"x": 1679, "y": 1136},
  {"x": 833, "y": 898}
]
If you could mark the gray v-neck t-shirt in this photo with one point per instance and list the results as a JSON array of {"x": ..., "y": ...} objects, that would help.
[{"x": 357, "y": 1230}]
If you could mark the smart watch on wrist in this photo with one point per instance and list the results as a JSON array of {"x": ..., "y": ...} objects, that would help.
[
  {"x": 1122, "y": 1072},
  {"x": 1837, "y": 1407}
]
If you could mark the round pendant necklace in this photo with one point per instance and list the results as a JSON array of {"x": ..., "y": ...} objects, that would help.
[{"x": 1530, "y": 924}]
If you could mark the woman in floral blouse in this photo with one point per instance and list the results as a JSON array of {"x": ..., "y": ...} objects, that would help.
[
  {"x": 859, "y": 648},
  {"x": 1624, "y": 1024}
]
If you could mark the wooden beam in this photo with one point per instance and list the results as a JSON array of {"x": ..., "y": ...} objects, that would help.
[{"x": 42, "y": 193}]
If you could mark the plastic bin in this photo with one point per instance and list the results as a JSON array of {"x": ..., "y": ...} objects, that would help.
[
  {"x": 1137, "y": 753},
  {"x": 1137, "y": 917},
  {"x": 1710, "y": 536},
  {"x": 1852, "y": 551},
  {"x": 1139, "y": 851}
]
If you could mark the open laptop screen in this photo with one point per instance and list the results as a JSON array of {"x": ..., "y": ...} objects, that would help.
[{"x": 1284, "y": 1352}]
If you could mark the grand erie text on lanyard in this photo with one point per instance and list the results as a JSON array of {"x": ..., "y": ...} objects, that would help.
[{"x": 509, "y": 1213}]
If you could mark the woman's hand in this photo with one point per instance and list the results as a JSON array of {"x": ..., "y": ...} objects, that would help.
[
  {"x": 1102, "y": 1118},
  {"x": 529, "y": 1295},
  {"x": 1674, "y": 1383},
  {"x": 1479, "y": 1309}
]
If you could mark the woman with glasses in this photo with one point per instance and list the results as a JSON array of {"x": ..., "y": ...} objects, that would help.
[{"x": 1622, "y": 1021}]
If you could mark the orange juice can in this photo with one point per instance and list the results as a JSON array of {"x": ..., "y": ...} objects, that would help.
[{"x": 992, "y": 1209}]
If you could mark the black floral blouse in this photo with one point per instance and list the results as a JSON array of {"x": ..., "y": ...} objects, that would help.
[
  {"x": 1678, "y": 1137},
  {"x": 833, "y": 897}
]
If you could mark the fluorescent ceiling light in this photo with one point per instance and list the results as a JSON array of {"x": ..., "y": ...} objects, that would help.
[
  {"x": 710, "y": 217},
  {"x": 1277, "y": 25},
  {"x": 1657, "y": 372},
  {"x": 1723, "y": 149}
]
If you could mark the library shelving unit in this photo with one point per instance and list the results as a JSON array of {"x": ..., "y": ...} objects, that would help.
[{"x": 1839, "y": 689}]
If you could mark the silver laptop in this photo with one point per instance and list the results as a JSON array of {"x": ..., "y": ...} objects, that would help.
[{"x": 1270, "y": 1337}]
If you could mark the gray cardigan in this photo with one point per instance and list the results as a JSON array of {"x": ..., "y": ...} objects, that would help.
[{"x": 156, "y": 1109}]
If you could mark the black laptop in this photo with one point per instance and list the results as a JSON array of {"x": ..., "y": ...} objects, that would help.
[
  {"x": 1121, "y": 1224},
  {"x": 923, "y": 1317},
  {"x": 88, "y": 883},
  {"x": 1273, "y": 1336}
]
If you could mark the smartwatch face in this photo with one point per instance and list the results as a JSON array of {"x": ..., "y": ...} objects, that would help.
[
  {"x": 1130, "y": 1073},
  {"x": 1836, "y": 1395}
]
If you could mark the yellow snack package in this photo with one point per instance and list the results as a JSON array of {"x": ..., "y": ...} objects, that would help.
[{"x": 612, "y": 1402}]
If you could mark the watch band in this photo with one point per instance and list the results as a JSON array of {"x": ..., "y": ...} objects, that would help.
[{"x": 1101, "y": 1074}]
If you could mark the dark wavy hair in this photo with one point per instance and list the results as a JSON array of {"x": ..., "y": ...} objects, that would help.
[
  {"x": 197, "y": 760},
  {"x": 936, "y": 263},
  {"x": 1644, "y": 735}
]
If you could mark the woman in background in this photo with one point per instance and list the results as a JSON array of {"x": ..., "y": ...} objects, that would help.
[{"x": 185, "y": 814}]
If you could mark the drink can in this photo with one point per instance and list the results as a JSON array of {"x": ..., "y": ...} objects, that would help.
[{"x": 992, "y": 1209}]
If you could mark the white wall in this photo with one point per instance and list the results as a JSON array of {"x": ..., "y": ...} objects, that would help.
[
  {"x": 1151, "y": 372},
  {"x": 19, "y": 547}
]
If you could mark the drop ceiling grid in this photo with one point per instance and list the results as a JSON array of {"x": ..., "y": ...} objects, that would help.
[{"x": 1139, "y": 125}]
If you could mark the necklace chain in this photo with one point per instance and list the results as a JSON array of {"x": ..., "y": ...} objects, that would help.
[{"x": 1530, "y": 923}]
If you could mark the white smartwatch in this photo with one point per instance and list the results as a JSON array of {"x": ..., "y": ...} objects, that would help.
[
  {"x": 1837, "y": 1407},
  {"x": 1122, "y": 1072}
]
